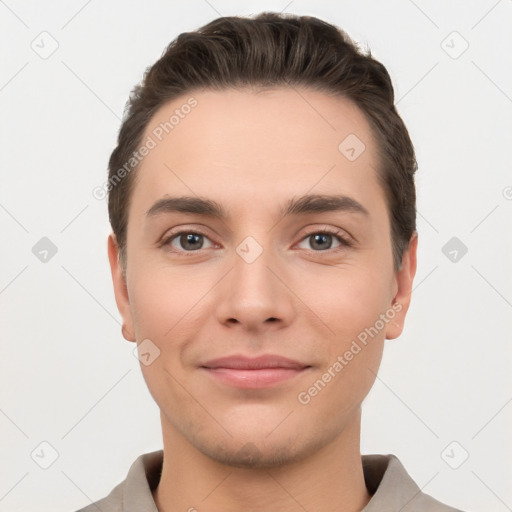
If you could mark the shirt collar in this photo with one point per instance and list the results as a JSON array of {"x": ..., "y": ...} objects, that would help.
[
  {"x": 387, "y": 481},
  {"x": 143, "y": 477}
]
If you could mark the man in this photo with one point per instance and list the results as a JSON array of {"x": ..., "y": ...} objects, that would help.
[{"x": 262, "y": 202}]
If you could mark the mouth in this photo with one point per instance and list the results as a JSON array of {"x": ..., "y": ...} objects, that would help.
[{"x": 254, "y": 373}]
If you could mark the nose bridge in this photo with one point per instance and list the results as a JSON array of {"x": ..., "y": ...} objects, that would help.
[
  {"x": 251, "y": 274},
  {"x": 252, "y": 294}
]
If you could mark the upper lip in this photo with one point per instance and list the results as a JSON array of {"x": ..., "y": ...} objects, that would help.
[{"x": 240, "y": 362}]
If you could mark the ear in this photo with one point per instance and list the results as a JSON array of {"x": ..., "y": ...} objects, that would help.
[
  {"x": 403, "y": 288},
  {"x": 120, "y": 288}
]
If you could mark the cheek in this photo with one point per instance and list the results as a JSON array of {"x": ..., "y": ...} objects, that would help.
[
  {"x": 347, "y": 300},
  {"x": 165, "y": 300},
  {"x": 339, "y": 389},
  {"x": 351, "y": 312},
  {"x": 164, "y": 308}
]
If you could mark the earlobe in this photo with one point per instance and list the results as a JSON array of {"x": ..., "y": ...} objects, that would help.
[
  {"x": 404, "y": 278},
  {"x": 127, "y": 335},
  {"x": 120, "y": 288}
]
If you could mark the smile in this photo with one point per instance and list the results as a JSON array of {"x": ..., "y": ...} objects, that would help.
[{"x": 254, "y": 373}]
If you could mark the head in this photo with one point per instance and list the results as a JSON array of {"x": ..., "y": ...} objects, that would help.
[{"x": 262, "y": 201}]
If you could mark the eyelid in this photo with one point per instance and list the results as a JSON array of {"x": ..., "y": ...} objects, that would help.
[
  {"x": 173, "y": 233},
  {"x": 343, "y": 237}
]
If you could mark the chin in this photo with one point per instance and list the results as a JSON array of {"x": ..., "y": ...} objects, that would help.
[
  {"x": 260, "y": 451},
  {"x": 253, "y": 455}
]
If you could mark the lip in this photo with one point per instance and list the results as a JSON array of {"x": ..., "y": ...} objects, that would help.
[{"x": 254, "y": 373}]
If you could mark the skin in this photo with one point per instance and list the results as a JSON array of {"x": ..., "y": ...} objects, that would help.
[{"x": 252, "y": 152}]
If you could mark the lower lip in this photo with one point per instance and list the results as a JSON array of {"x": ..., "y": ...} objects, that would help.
[{"x": 254, "y": 379}]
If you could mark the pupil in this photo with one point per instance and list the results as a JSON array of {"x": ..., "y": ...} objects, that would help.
[
  {"x": 321, "y": 241},
  {"x": 190, "y": 241}
]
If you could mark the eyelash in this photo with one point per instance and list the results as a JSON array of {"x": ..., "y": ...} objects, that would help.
[{"x": 344, "y": 241}]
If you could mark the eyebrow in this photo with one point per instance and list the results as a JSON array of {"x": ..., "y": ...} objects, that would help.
[
  {"x": 186, "y": 204},
  {"x": 311, "y": 203},
  {"x": 319, "y": 203}
]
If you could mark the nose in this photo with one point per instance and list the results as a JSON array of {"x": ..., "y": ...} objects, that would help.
[{"x": 255, "y": 295}]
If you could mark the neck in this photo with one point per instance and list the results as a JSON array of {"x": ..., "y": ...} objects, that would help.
[{"x": 331, "y": 479}]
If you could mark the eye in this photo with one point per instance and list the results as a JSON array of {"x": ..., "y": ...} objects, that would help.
[
  {"x": 186, "y": 241},
  {"x": 320, "y": 241}
]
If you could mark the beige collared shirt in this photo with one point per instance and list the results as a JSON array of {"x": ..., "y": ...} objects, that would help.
[{"x": 389, "y": 484}]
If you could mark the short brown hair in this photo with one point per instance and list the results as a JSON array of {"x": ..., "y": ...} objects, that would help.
[{"x": 272, "y": 50}]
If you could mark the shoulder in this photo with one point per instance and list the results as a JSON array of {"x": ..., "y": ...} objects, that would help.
[
  {"x": 134, "y": 494},
  {"x": 425, "y": 503},
  {"x": 392, "y": 488},
  {"x": 111, "y": 503}
]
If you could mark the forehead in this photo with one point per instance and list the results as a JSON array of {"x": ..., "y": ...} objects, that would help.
[{"x": 267, "y": 144}]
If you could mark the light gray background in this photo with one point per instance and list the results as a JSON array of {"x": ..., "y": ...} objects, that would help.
[{"x": 69, "y": 379}]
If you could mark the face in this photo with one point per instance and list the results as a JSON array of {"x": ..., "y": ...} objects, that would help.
[{"x": 259, "y": 275}]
